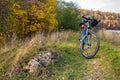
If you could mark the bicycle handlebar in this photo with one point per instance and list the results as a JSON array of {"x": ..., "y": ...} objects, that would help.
[
  {"x": 88, "y": 19},
  {"x": 85, "y": 17}
]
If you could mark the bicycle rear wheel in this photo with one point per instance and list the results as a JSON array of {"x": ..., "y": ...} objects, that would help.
[{"x": 91, "y": 47}]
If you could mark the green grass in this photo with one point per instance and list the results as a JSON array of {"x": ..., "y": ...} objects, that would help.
[
  {"x": 110, "y": 59},
  {"x": 70, "y": 65}
]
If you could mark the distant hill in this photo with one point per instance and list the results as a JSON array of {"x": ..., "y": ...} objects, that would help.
[{"x": 109, "y": 20}]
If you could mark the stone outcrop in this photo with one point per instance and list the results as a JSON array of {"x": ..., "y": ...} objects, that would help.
[{"x": 41, "y": 61}]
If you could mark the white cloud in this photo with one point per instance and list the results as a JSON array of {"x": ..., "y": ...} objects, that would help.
[{"x": 104, "y": 5}]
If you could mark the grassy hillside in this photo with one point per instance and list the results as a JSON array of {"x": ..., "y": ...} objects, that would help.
[{"x": 70, "y": 65}]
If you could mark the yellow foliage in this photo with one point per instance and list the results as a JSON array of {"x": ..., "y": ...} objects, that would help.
[
  {"x": 40, "y": 14},
  {"x": 50, "y": 18},
  {"x": 31, "y": 17},
  {"x": 16, "y": 5},
  {"x": 17, "y": 11},
  {"x": 1, "y": 39},
  {"x": 36, "y": 12},
  {"x": 17, "y": 18},
  {"x": 33, "y": 28}
]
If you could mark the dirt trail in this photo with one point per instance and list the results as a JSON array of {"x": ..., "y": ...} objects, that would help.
[{"x": 93, "y": 70}]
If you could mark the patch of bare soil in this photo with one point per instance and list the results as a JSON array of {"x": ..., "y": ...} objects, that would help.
[{"x": 93, "y": 70}]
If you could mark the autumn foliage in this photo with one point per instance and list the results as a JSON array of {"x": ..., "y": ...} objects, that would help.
[
  {"x": 23, "y": 18},
  {"x": 26, "y": 17}
]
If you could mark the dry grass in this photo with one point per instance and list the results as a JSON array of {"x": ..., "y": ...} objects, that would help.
[
  {"x": 12, "y": 54},
  {"x": 60, "y": 36},
  {"x": 23, "y": 49},
  {"x": 113, "y": 37},
  {"x": 70, "y": 65}
]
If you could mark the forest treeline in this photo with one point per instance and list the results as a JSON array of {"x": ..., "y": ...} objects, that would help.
[
  {"x": 26, "y": 17},
  {"x": 101, "y": 15},
  {"x": 23, "y": 18},
  {"x": 108, "y": 19}
]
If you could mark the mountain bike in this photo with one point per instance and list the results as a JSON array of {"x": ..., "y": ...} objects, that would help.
[{"x": 89, "y": 41}]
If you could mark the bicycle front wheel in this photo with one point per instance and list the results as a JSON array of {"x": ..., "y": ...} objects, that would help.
[{"x": 91, "y": 46}]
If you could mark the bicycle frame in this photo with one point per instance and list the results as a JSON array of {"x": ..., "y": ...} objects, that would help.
[
  {"x": 85, "y": 33},
  {"x": 89, "y": 41}
]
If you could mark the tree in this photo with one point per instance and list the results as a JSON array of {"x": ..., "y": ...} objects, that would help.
[
  {"x": 26, "y": 17},
  {"x": 67, "y": 15},
  {"x": 41, "y": 15}
]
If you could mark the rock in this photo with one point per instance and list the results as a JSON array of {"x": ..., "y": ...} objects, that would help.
[
  {"x": 32, "y": 65},
  {"x": 41, "y": 61}
]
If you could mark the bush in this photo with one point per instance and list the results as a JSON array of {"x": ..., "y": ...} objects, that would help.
[{"x": 67, "y": 16}]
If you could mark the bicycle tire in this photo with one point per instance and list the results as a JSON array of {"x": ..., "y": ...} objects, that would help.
[{"x": 82, "y": 44}]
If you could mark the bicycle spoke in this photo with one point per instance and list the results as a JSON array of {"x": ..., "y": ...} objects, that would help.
[
  {"x": 90, "y": 42},
  {"x": 90, "y": 48}
]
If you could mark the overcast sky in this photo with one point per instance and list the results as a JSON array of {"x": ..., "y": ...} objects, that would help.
[{"x": 102, "y": 5}]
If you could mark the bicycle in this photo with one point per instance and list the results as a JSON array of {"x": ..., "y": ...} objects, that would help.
[{"x": 89, "y": 41}]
